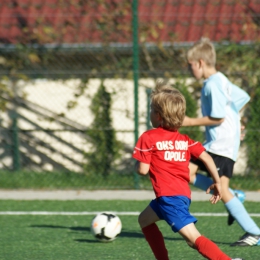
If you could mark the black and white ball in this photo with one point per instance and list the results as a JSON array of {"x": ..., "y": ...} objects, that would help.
[{"x": 106, "y": 226}]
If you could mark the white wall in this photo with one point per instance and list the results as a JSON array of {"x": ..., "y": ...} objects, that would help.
[{"x": 54, "y": 96}]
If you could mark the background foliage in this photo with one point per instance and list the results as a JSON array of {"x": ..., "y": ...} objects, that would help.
[
  {"x": 42, "y": 53},
  {"x": 105, "y": 147}
]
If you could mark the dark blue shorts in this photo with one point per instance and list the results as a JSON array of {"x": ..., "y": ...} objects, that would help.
[{"x": 174, "y": 210}]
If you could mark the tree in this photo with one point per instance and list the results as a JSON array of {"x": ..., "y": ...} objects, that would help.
[
  {"x": 191, "y": 110},
  {"x": 252, "y": 138},
  {"x": 105, "y": 148}
]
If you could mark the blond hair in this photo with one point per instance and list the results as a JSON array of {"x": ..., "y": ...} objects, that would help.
[
  {"x": 203, "y": 50},
  {"x": 164, "y": 85},
  {"x": 170, "y": 104}
]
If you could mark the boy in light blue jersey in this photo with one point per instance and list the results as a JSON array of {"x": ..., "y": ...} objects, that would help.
[
  {"x": 223, "y": 139},
  {"x": 221, "y": 102}
]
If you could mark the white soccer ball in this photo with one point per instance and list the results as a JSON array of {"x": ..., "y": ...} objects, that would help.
[{"x": 106, "y": 226}]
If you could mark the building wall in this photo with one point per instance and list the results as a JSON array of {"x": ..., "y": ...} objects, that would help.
[{"x": 63, "y": 140}]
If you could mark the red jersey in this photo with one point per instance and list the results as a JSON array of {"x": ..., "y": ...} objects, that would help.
[{"x": 168, "y": 153}]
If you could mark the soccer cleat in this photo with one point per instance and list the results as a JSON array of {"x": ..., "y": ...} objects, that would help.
[
  {"x": 237, "y": 259},
  {"x": 241, "y": 196},
  {"x": 230, "y": 219},
  {"x": 248, "y": 240}
]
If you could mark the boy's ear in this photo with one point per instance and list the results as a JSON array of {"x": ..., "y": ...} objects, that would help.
[
  {"x": 201, "y": 63},
  {"x": 159, "y": 117}
]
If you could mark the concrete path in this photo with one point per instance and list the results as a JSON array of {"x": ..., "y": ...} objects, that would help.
[{"x": 100, "y": 195}]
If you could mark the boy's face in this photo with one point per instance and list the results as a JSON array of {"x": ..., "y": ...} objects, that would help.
[
  {"x": 155, "y": 118},
  {"x": 196, "y": 68}
]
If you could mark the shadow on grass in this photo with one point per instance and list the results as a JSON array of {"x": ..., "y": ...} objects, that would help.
[
  {"x": 124, "y": 233},
  {"x": 84, "y": 229}
]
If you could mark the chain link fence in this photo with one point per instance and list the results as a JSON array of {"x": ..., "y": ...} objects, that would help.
[{"x": 68, "y": 95}]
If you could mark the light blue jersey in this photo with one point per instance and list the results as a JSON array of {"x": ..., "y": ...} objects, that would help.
[{"x": 222, "y": 99}]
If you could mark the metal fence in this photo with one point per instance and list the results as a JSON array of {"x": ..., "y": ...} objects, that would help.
[{"x": 72, "y": 111}]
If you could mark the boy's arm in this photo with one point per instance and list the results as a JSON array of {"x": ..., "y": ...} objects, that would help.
[
  {"x": 201, "y": 121},
  {"x": 142, "y": 168},
  {"x": 240, "y": 97},
  {"x": 216, "y": 186}
]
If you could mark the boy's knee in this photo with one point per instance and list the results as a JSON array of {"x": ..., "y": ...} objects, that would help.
[
  {"x": 147, "y": 217},
  {"x": 141, "y": 220},
  {"x": 192, "y": 178},
  {"x": 190, "y": 244}
]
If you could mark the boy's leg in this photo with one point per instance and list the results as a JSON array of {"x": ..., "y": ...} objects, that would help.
[
  {"x": 203, "y": 182},
  {"x": 241, "y": 196},
  {"x": 209, "y": 249},
  {"x": 238, "y": 211},
  {"x": 153, "y": 235},
  {"x": 198, "y": 180},
  {"x": 232, "y": 204},
  {"x": 202, "y": 244}
]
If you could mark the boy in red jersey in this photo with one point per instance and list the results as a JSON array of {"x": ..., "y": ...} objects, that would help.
[{"x": 164, "y": 153}]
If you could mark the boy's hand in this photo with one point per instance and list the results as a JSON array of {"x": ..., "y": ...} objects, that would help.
[
  {"x": 216, "y": 196},
  {"x": 242, "y": 135}
]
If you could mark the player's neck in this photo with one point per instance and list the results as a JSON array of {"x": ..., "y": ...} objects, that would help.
[{"x": 209, "y": 72}]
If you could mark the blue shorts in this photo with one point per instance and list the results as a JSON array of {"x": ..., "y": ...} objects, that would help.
[{"x": 174, "y": 210}]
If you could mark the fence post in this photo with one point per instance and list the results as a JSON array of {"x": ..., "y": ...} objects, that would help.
[
  {"x": 15, "y": 130},
  {"x": 16, "y": 153},
  {"x": 148, "y": 93},
  {"x": 136, "y": 76}
]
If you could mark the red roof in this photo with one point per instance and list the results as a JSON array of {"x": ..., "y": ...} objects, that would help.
[{"x": 86, "y": 21}]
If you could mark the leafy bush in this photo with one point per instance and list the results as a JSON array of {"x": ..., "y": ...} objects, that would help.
[
  {"x": 193, "y": 132},
  {"x": 252, "y": 138},
  {"x": 105, "y": 148}
]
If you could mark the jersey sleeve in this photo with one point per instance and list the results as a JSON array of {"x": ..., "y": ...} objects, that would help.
[
  {"x": 143, "y": 149},
  {"x": 195, "y": 149},
  {"x": 216, "y": 100},
  {"x": 239, "y": 97}
]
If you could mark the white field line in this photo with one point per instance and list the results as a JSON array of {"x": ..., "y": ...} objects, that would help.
[{"x": 122, "y": 213}]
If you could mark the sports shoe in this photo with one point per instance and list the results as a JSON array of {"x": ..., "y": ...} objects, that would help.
[
  {"x": 237, "y": 259},
  {"x": 248, "y": 240},
  {"x": 241, "y": 196}
]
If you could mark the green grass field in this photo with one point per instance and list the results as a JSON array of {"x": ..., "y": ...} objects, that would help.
[
  {"x": 65, "y": 237},
  {"x": 70, "y": 180}
]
